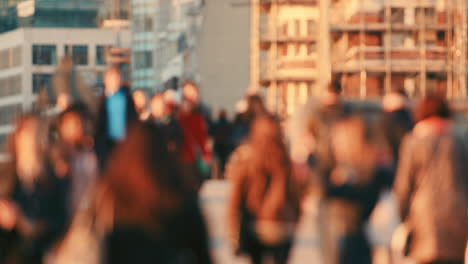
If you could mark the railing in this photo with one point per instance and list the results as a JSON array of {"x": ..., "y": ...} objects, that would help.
[{"x": 298, "y": 2}]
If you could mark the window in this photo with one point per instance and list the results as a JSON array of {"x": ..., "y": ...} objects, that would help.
[
  {"x": 143, "y": 59},
  {"x": 297, "y": 27},
  {"x": 283, "y": 50},
  {"x": 9, "y": 113},
  {"x": 44, "y": 54},
  {"x": 16, "y": 56},
  {"x": 41, "y": 81},
  {"x": 298, "y": 49},
  {"x": 3, "y": 59},
  {"x": 284, "y": 30},
  {"x": 143, "y": 24},
  {"x": 101, "y": 55},
  {"x": 311, "y": 27},
  {"x": 311, "y": 48},
  {"x": 10, "y": 86},
  {"x": 397, "y": 15},
  {"x": 80, "y": 54}
]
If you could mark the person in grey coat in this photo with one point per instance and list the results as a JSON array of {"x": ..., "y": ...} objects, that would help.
[{"x": 432, "y": 186}]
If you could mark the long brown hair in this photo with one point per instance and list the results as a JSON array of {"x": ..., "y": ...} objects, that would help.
[
  {"x": 270, "y": 182},
  {"x": 143, "y": 179}
]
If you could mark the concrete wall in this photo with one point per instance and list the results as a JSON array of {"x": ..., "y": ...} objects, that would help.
[{"x": 224, "y": 53}]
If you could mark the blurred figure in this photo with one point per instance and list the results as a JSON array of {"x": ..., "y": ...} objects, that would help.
[
  {"x": 68, "y": 81},
  {"x": 196, "y": 151},
  {"x": 264, "y": 206},
  {"x": 191, "y": 93},
  {"x": 240, "y": 126},
  {"x": 320, "y": 121},
  {"x": 164, "y": 117},
  {"x": 115, "y": 115},
  {"x": 248, "y": 109},
  {"x": 35, "y": 206},
  {"x": 155, "y": 219},
  {"x": 330, "y": 109},
  {"x": 397, "y": 121},
  {"x": 73, "y": 153},
  {"x": 222, "y": 134},
  {"x": 431, "y": 186},
  {"x": 352, "y": 191},
  {"x": 141, "y": 104}
]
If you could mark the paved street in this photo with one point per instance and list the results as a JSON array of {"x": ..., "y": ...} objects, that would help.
[{"x": 214, "y": 198}]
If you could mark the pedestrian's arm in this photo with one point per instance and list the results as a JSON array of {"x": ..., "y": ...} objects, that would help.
[
  {"x": 234, "y": 174},
  {"x": 404, "y": 182}
]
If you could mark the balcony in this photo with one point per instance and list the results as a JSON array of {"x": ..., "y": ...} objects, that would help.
[
  {"x": 288, "y": 69},
  {"x": 400, "y": 60},
  {"x": 292, "y": 2},
  {"x": 269, "y": 37}
]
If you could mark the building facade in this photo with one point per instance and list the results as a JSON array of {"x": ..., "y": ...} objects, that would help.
[
  {"x": 223, "y": 51},
  {"x": 29, "y": 59},
  {"x": 284, "y": 51},
  {"x": 164, "y": 36},
  {"x": 370, "y": 46}
]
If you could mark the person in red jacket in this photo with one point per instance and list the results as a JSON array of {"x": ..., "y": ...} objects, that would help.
[{"x": 196, "y": 150}]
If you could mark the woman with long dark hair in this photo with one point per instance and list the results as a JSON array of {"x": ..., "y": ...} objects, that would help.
[
  {"x": 264, "y": 206},
  {"x": 156, "y": 219}
]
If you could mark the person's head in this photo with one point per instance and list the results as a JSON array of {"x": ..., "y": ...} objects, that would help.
[
  {"x": 331, "y": 95},
  {"x": 222, "y": 114},
  {"x": 26, "y": 146},
  {"x": 171, "y": 99},
  {"x": 433, "y": 106},
  {"x": 140, "y": 100},
  {"x": 191, "y": 92},
  {"x": 255, "y": 105},
  {"x": 143, "y": 178},
  {"x": 158, "y": 106},
  {"x": 395, "y": 100},
  {"x": 112, "y": 80},
  {"x": 64, "y": 100},
  {"x": 73, "y": 125}
]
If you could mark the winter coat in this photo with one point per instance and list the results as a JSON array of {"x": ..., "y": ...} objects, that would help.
[{"x": 432, "y": 191}]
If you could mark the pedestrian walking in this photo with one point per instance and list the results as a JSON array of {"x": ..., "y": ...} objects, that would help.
[
  {"x": 164, "y": 116},
  {"x": 34, "y": 205},
  {"x": 431, "y": 186},
  {"x": 222, "y": 136},
  {"x": 264, "y": 205},
  {"x": 156, "y": 220},
  {"x": 352, "y": 190},
  {"x": 196, "y": 151},
  {"x": 73, "y": 154},
  {"x": 141, "y": 104},
  {"x": 116, "y": 113}
]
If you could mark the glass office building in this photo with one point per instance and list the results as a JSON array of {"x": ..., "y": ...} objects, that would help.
[{"x": 51, "y": 13}]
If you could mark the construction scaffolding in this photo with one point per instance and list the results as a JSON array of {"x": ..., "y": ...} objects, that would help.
[
  {"x": 419, "y": 46},
  {"x": 373, "y": 46}
]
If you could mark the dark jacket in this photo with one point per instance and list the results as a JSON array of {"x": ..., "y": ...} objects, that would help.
[
  {"x": 172, "y": 131},
  {"x": 176, "y": 242},
  {"x": 395, "y": 126},
  {"x": 432, "y": 191},
  {"x": 103, "y": 143},
  {"x": 45, "y": 206}
]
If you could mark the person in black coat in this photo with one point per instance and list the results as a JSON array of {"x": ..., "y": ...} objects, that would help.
[
  {"x": 34, "y": 205},
  {"x": 116, "y": 113},
  {"x": 397, "y": 121}
]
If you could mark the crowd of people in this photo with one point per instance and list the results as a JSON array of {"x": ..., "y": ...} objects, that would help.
[{"x": 120, "y": 184}]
